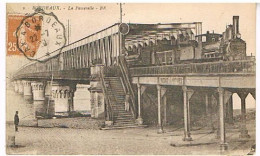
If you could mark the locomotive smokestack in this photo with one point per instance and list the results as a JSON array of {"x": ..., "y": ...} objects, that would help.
[{"x": 235, "y": 26}]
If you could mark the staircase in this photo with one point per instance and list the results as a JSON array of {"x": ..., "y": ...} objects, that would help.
[
  {"x": 116, "y": 93},
  {"x": 116, "y": 84}
]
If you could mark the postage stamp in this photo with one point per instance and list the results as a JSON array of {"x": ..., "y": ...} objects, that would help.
[
  {"x": 36, "y": 36},
  {"x": 130, "y": 79},
  {"x": 13, "y": 23}
]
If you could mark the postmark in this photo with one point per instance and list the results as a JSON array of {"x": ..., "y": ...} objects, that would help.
[{"x": 39, "y": 35}]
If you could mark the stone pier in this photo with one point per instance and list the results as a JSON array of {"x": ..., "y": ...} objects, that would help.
[
  {"x": 63, "y": 97},
  {"x": 27, "y": 88},
  {"x": 38, "y": 98},
  {"x": 243, "y": 128},
  {"x": 187, "y": 94},
  {"x": 48, "y": 87},
  {"x": 97, "y": 100},
  {"x": 16, "y": 86},
  {"x": 20, "y": 86},
  {"x": 81, "y": 100},
  {"x": 38, "y": 91},
  {"x": 140, "y": 90}
]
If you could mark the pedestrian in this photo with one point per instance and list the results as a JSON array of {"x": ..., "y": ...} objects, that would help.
[
  {"x": 127, "y": 102},
  {"x": 16, "y": 121}
]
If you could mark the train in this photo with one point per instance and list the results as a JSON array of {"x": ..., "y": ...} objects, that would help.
[{"x": 207, "y": 47}]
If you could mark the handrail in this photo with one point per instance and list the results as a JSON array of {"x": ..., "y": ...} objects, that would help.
[
  {"x": 123, "y": 85},
  {"x": 127, "y": 83},
  {"x": 107, "y": 99},
  {"x": 241, "y": 66}
]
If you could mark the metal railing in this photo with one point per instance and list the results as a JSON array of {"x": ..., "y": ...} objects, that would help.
[
  {"x": 110, "y": 112},
  {"x": 39, "y": 67},
  {"x": 127, "y": 84},
  {"x": 241, "y": 66}
]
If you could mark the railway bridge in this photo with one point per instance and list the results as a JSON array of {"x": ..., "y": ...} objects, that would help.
[{"x": 123, "y": 93}]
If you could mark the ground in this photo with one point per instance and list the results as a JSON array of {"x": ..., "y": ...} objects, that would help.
[{"x": 33, "y": 140}]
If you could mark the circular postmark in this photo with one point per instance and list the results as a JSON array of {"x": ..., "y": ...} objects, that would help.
[{"x": 40, "y": 36}]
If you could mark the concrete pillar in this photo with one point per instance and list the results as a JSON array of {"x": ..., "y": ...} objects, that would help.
[
  {"x": 62, "y": 96},
  {"x": 209, "y": 111},
  {"x": 20, "y": 87},
  {"x": 38, "y": 91},
  {"x": 165, "y": 110},
  {"x": 229, "y": 111},
  {"x": 27, "y": 88},
  {"x": 96, "y": 104},
  {"x": 97, "y": 100},
  {"x": 81, "y": 99},
  {"x": 216, "y": 97},
  {"x": 48, "y": 91},
  {"x": 223, "y": 144},
  {"x": 187, "y": 94},
  {"x": 16, "y": 89},
  {"x": 92, "y": 103},
  {"x": 160, "y": 130},
  {"x": 243, "y": 129},
  {"x": 207, "y": 105},
  {"x": 99, "y": 107},
  {"x": 140, "y": 90}
]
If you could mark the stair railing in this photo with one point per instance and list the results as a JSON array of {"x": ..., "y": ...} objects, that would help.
[
  {"x": 110, "y": 112},
  {"x": 127, "y": 84}
]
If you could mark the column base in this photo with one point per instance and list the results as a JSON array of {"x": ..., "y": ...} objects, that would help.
[
  {"x": 223, "y": 146},
  {"x": 108, "y": 123},
  {"x": 187, "y": 138},
  {"x": 139, "y": 121},
  {"x": 160, "y": 130}
]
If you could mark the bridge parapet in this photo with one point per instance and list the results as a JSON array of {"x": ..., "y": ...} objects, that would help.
[
  {"x": 208, "y": 68},
  {"x": 49, "y": 69}
]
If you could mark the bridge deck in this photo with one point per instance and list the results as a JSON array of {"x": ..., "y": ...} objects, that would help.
[
  {"x": 240, "y": 74},
  {"x": 234, "y": 74}
]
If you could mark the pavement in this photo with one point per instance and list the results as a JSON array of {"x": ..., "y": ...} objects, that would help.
[{"x": 133, "y": 141}]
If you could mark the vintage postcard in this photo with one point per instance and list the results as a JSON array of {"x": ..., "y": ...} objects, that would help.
[{"x": 130, "y": 79}]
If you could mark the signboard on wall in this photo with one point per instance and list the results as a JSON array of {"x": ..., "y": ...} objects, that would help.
[{"x": 171, "y": 80}]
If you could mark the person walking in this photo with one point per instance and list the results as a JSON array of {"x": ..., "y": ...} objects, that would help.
[{"x": 16, "y": 121}]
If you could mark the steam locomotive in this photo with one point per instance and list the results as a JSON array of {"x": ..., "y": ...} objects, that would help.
[{"x": 208, "y": 47}]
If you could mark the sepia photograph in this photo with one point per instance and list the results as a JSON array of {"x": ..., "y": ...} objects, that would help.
[{"x": 130, "y": 79}]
